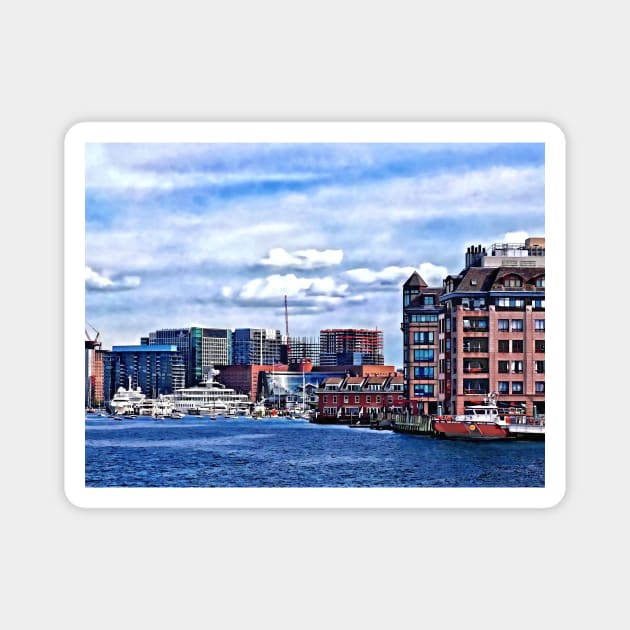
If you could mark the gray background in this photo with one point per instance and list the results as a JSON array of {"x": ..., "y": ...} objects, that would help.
[{"x": 74, "y": 61}]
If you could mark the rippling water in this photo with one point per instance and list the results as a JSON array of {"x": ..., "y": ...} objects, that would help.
[{"x": 195, "y": 452}]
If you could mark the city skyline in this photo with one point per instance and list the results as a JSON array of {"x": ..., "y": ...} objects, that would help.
[{"x": 215, "y": 235}]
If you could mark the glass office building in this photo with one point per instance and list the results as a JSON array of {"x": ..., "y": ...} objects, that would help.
[
  {"x": 155, "y": 369},
  {"x": 201, "y": 348}
]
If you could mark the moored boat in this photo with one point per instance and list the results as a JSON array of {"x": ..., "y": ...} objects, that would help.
[{"x": 488, "y": 422}]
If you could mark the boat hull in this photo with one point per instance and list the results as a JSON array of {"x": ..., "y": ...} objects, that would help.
[{"x": 471, "y": 430}]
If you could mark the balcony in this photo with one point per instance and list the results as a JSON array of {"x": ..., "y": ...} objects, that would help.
[{"x": 475, "y": 347}]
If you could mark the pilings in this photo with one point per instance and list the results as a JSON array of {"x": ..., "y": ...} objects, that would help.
[{"x": 417, "y": 425}]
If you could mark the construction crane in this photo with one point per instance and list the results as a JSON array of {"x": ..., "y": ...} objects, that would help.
[
  {"x": 92, "y": 343},
  {"x": 286, "y": 324}
]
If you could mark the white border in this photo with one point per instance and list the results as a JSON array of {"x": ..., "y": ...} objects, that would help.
[{"x": 251, "y": 132}]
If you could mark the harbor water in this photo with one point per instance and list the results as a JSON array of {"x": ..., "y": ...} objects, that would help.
[{"x": 280, "y": 452}]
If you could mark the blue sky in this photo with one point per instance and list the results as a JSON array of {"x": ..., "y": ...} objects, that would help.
[{"x": 218, "y": 234}]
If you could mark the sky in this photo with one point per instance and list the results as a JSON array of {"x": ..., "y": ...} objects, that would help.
[{"x": 216, "y": 235}]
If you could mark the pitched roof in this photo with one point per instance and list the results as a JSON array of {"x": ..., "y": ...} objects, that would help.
[{"x": 415, "y": 280}]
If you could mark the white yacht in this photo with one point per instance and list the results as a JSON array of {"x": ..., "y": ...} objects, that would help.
[
  {"x": 126, "y": 401},
  {"x": 210, "y": 397}
]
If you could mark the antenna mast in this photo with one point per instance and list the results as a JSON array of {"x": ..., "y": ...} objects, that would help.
[{"x": 286, "y": 324}]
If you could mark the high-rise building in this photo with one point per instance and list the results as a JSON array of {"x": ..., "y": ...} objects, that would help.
[
  {"x": 420, "y": 327},
  {"x": 350, "y": 346},
  {"x": 93, "y": 374},
  {"x": 257, "y": 346},
  {"x": 156, "y": 369},
  {"x": 301, "y": 348},
  {"x": 201, "y": 348},
  {"x": 490, "y": 332}
]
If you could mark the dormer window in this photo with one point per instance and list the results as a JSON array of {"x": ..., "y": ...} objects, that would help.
[
  {"x": 540, "y": 282},
  {"x": 512, "y": 281}
]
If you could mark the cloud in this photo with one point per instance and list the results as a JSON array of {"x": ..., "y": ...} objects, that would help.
[
  {"x": 96, "y": 281},
  {"x": 303, "y": 259},
  {"x": 392, "y": 277},
  {"x": 277, "y": 286},
  {"x": 388, "y": 277},
  {"x": 515, "y": 237}
]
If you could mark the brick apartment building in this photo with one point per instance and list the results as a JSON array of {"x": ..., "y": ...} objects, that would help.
[{"x": 483, "y": 332}]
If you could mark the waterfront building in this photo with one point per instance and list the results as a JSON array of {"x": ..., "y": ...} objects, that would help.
[
  {"x": 420, "y": 328},
  {"x": 245, "y": 379},
  {"x": 348, "y": 398},
  {"x": 494, "y": 323},
  {"x": 257, "y": 346},
  {"x": 155, "y": 369},
  {"x": 94, "y": 393},
  {"x": 201, "y": 348},
  {"x": 483, "y": 332},
  {"x": 350, "y": 346}
]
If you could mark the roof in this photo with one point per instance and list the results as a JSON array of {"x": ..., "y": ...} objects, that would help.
[
  {"x": 485, "y": 279},
  {"x": 377, "y": 380},
  {"x": 332, "y": 380},
  {"x": 355, "y": 380},
  {"x": 415, "y": 280}
]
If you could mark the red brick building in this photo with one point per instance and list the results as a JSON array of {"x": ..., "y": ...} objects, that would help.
[
  {"x": 244, "y": 378},
  {"x": 355, "y": 397},
  {"x": 482, "y": 332}
]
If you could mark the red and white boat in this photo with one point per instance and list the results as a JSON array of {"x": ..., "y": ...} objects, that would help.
[{"x": 488, "y": 422}]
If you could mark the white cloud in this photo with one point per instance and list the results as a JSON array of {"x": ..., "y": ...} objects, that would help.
[
  {"x": 389, "y": 275},
  {"x": 515, "y": 237},
  {"x": 101, "y": 282},
  {"x": 394, "y": 276},
  {"x": 277, "y": 286},
  {"x": 303, "y": 259},
  {"x": 432, "y": 274}
]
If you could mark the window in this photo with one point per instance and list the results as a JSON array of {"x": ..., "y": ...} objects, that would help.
[
  {"x": 424, "y": 318},
  {"x": 517, "y": 367},
  {"x": 475, "y": 344},
  {"x": 334, "y": 399},
  {"x": 476, "y": 386},
  {"x": 429, "y": 300},
  {"x": 517, "y": 387},
  {"x": 538, "y": 304},
  {"x": 504, "y": 387},
  {"x": 368, "y": 399},
  {"x": 423, "y": 355},
  {"x": 423, "y": 337},
  {"x": 425, "y": 371},
  {"x": 378, "y": 399},
  {"x": 539, "y": 325},
  {"x": 357, "y": 399},
  {"x": 540, "y": 367},
  {"x": 540, "y": 387},
  {"x": 504, "y": 367},
  {"x": 517, "y": 345},
  {"x": 504, "y": 325},
  {"x": 423, "y": 389},
  {"x": 504, "y": 345},
  {"x": 325, "y": 399},
  {"x": 517, "y": 325},
  {"x": 540, "y": 282},
  {"x": 510, "y": 303},
  {"x": 476, "y": 323},
  {"x": 512, "y": 281},
  {"x": 539, "y": 345}
]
